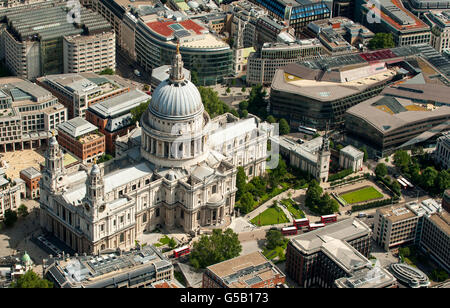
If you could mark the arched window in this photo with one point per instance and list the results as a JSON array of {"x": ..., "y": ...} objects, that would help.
[{"x": 144, "y": 217}]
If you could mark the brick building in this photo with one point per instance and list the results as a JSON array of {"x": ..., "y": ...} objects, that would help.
[
  {"x": 82, "y": 139},
  {"x": 31, "y": 176},
  {"x": 113, "y": 116},
  {"x": 248, "y": 271}
]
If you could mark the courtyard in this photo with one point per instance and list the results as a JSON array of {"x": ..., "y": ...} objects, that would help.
[{"x": 14, "y": 162}]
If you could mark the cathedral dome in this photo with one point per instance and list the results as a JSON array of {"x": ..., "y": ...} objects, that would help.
[{"x": 176, "y": 100}]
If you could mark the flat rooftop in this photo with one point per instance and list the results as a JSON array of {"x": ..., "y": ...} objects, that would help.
[
  {"x": 387, "y": 113},
  {"x": 396, "y": 15},
  {"x": 442, "y": 220},
  {"x": 31, "y": 173},
  {"x": 352, "y": 151},
  {"x": 190, "y": 33},
  {"x": 397, "y": 213},
  {"x": 245, "y": 271},
  {"x": 23, "y": 92},
  {"x": 77, "y": 127},
  {"x": 345, "y": 230},
  {"x": 120, "y": 104},
  {"x": 48, "y": 23},
  {"x": 108, "y": 268}
]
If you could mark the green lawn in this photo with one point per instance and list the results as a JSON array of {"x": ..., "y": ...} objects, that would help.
[
  {"x": 273, "y": 215},
  {"x": 360, "y": 195},
  {"x": 293, "y": 208},
  {"x": 163, "y": 241}
]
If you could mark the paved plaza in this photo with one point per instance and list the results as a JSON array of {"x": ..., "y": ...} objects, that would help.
[{"x": 14, "y": 162}]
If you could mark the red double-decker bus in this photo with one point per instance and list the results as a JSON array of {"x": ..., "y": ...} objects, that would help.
[
  {"x": 181, "y": 251},
  {"x": 289, "y": 230},
  {"x": 328, "y": 218},
  {"x": 315, "y": 226},
  {"x": 302, "y": 222}
]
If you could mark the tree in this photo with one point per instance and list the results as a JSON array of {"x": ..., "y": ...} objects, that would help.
[
  {"x": 194, "y": 78},
  {"x": 243, "y": 105},
  {"x": 172, "y": 243},
  {"x": 247, "y": 202},
  {"x": 442, "y": 181},
  {"x": 228, "y": 90},
  {"x": 327, "y": 205},
  {"x": 313, "y": 194},
  {"x": 137, "y": 112},
  {"x": 381, "y": 170},
  {"x": 10, "y": 218},
  {"x": 364, "y": 150},
  {"x": 257, "y": 104},
  {"x": 107, "y": 71},
  {"x": 274, "y": 238},
  {"x": 30, "y": 280},
  {"x": 284, "y": 127},
  {"x": 22, "y": 210},
  {"x": 241, "y": 181},
  {"x": 428, "y": 177},
  {"x": 277, "y": 174},
  {"x": 381, "y": 40},
  {"x": 243, "y": 113},
  {"x": 213, "y": 104},
  {"x": 402, "y": 159},
  {"x": 404, "y": 252},
  {"x": 271, "y": 119},
  {"x": 243, "y": 89},
  {"x": 215, "y": 248}
]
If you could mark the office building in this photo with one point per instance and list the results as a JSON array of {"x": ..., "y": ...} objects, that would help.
[
  {"x": 113, "y": 116},
  {"x": 133, "y": 269},
  {"x": 181, "y": 174},
  {"x": 92, "y": 53},
  {"x": 297, "y": 14},
  {"x": 203, "y": 52},
  {"x": 79, "y": 91},
  {"x": 446, "y": 200},
  {"x": 317, "y": 92},
  {"x": 248, "y": 271},
  {"x": 312, "y": 156},
  {"x": 335, "y": 256},
  {"x": 82, "y": 139},
  {"x": 247, "y": 14},
  {"x": 351, "y": 158},
  {"x": 420, "y": 7},
  {"x": 440, "y": 29},
  {"x": 31, "y": 177},
  {"x": 442, "y": 152},
  {"x": 435, "y": 239},
  {"x": 29, "y": 114},
  {"x": 339, "y": 34},
  {"x": 386, "y": 123},
  {"x": 38, "y": 40},
  {"x": 263, "y": 63},
  {"x": 406, "y": 28},
  {"x": 402, "y": 224},
  {"x": 11, "y": 193}
]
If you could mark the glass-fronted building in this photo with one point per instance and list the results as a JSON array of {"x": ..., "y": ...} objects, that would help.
[
  {"x": 204, "y": 54},
  {"x": 297, "y": 13}
]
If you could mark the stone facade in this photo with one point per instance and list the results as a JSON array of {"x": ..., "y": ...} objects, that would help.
[{"x": 182, "y": 174}]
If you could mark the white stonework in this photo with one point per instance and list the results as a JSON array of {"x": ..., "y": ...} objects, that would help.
[{"x": 176, "y": 169}]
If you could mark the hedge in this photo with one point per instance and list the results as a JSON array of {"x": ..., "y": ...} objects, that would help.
[
  {"x": 340, "y": 175},
  {"x": 374, "y": 204}
]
